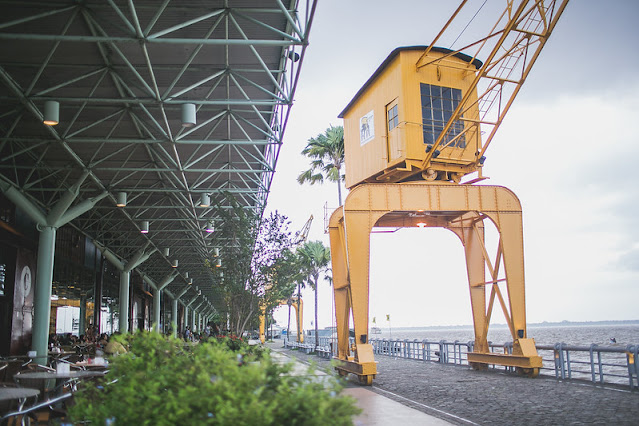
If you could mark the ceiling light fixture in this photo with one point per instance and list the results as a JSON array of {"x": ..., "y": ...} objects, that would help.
[
  {"x": 145, "y": 227},
  {"x": 209, "y": 226},
  {"x": 205, "y": 200},
  {"x": 174, "y": 264},
  {"x": 51, "y": 113},
  {"x": 188, "y": 115},
  {"x": 121, "y": 199}
]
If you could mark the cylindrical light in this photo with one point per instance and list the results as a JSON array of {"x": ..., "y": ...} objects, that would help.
[
  {"x": 186, "y": 274},
  {"x": 216, "y": 252},
  {"x": 121, "y": 199},
  {"x": 175, "y": 263},
  {"x": 51, "y": 113},
  {"x": 190, "y": 281},
  {"x": 218, "y": 262},
  {"x": 145, "y": 227},
  {"x": 205, "y": 200},
  {"x": 221, "y": 274},
  {"x": 167, "y": 251},
  {"x": 188, "y": 115},
  {"x": 293, "y": 56},
  {"x": 209, "y": 226}
]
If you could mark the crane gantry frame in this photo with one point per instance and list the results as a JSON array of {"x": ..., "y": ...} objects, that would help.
[{"x": 426, "y": 191}]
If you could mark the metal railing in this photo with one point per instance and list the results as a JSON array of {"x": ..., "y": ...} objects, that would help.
[{"x": 599, "y": 364}]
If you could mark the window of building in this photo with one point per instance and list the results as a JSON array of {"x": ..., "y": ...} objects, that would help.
[
  {"x": 438, "y": 104},
  {"x": 393, "y": 117}
]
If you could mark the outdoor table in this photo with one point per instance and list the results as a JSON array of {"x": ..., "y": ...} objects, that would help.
[
  {"x": 59, "y": 377},
  {"x": 61, "y": 354},
  {"x": 20, "y": 394},
  {"x": 85, "y": 365}
]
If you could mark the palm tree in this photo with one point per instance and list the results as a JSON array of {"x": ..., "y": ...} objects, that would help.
[
  {"x": 326, "y": 152},
  {"x": 315, "y": 259}
]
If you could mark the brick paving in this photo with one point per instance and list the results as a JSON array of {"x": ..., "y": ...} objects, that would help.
[{"x": 495, "y": 397}]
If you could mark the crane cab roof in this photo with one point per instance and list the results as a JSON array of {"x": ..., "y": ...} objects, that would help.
[{"x": 476, "y": 62}]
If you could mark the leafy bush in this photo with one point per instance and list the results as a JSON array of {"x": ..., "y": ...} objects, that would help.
[{"x": 165, "y": 381}]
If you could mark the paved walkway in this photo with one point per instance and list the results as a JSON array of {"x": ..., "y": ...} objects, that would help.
[
  {"x": 376, "y": 409},
  {"x": 460, "y": 395}
]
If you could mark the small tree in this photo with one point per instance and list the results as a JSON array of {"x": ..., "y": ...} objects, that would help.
[
  {"x": 315, "y": 259},
  {"x": 254, "y": 263},
  {"x": 326, "y": 152}
]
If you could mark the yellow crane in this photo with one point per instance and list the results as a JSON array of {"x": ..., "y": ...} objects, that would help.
[
  {"x": 411, "y": 133},
  {"x": 295, "y": 301}
]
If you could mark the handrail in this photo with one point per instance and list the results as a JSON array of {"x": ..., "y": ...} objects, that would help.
[{"x": 618, "y": 365}]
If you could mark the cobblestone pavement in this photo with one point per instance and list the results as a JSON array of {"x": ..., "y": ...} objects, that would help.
[{"x": 494, "y": 397}]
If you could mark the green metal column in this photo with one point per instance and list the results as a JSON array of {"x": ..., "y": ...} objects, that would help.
[
  {"x": 83, "y": 315},
  {"x": 124, "y": 301},
  {"x": 156, "y": 310},
  {"x": 174, "y": 312},
  {"x": 186, "y": 316},
  {"x": 42, "y": 295}
]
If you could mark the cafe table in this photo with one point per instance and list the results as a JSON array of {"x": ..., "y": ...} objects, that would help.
[
  {"x": 17, "y": 394},
  {"x": 60, "y": 377}
]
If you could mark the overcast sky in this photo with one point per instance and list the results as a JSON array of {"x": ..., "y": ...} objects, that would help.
[{"x": 568, "y": 148}]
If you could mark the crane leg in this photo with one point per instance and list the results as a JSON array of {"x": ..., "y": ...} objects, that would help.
[
  {"x": 340, "y": 284},
  {"x": 262, "y": 325},
  {"x": 459, "y": 208},
  {"x": 351, "y": 295}
]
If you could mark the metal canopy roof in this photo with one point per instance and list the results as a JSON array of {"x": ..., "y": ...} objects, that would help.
[{"x": 121, "y": 71}]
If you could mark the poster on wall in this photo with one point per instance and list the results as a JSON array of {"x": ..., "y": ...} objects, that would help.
[
  {"x": 22, "y": 321},
  {"x": 366, "y": 128}
]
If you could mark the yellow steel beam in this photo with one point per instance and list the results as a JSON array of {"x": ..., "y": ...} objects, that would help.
[{"x": 455, "y": 207}]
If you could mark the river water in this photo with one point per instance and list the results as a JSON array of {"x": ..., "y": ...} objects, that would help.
[
  {"x": 624, "y": 334},
  {"x": 614, "y": 364}
]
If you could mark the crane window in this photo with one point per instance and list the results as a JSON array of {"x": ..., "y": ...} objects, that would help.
[
  {"x": 438, "y": 104},
  {"x": 393, "y": 118}
]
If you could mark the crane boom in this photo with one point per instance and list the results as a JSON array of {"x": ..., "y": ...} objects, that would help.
[
  {"x": 514, "y": 44},
  {"x": 302, "y": 234}
]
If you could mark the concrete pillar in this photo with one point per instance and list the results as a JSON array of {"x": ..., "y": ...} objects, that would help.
[
  {"x": 156, "y": 310},
  {"x": 97, "y": 291},
  {"x": 83, "y": 314},
  {"x": 125, "y": 275},
  {"x": 174, "y": 318},
  {"x": 124, "y": 301},
  {"x": 193, "y": 321},
  {"x": 186, "y": 317},
  {"x": 42, "y": 295}
]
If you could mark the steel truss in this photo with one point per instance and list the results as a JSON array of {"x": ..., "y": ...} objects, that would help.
[{"x": 121, "y": 71}]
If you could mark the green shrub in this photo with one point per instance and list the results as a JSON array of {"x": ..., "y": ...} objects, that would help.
[{"x": 165, "y": 381}]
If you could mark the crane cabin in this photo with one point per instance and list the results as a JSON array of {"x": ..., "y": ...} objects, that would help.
[{"x": 393, "y": 126}]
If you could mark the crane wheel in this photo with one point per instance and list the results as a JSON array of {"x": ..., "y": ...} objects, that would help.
[
  {"x": 528, "y": 372},
  {"x": 478, "y": 367},
  {"x": 429, "y": 175},
  {"x": 366, "y": 380}
]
